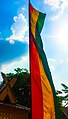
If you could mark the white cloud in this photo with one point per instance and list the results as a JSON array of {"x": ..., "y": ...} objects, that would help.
[
  {"x": 54, "y": 63},
  {"x": 21, "y": 63},
  {"x": 59, "y": 5},
  {"x": 54, "y": 17},
  {"x": 23, "y": 8},
  {"x": 9, "y": 67},
  {"x": 52, "y": 2},
  {"x": 19, "y": 29}
]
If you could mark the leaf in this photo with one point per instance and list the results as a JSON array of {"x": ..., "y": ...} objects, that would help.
[{"x": 66, "y": 87}]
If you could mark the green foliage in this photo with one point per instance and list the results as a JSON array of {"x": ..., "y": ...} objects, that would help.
[
  {"x": 63, "y": 101},
  {"x": 21, "y": 88},
  {"x": 63, "y": 96}
]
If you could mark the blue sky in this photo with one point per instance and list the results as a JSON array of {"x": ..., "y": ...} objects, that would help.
[{"x": 14, "y": 29}]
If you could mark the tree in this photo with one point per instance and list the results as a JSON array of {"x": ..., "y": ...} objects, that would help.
[
  {"x": 63, "y": 95},
  {"x": 65, "y": 91},
  {"x": 21, "y": 88},
  {"x": 63, "y": 101}
]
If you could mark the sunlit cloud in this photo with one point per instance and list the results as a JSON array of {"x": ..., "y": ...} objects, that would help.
[
  {"x": 57, "y": 5},
  {"x": 19, "y": 29},
  {"x": 21, "y": 63},
  {"x": 53, "y": 3},
  {"x": 61, "y": 36},
  {"x": 54, "y": 63}
]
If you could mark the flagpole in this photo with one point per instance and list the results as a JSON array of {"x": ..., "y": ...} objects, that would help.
[{"x": 30, "y": 63}]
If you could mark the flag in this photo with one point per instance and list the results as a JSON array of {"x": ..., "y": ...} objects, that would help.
[{"x": 43, "y": 96}]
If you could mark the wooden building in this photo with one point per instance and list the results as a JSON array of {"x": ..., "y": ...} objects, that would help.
[
  {"x": 8, "y": 111},
  {"x": 11, "y": 110}
]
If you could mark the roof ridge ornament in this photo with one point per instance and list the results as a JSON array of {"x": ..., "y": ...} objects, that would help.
[{"x": 7, "y": 89}]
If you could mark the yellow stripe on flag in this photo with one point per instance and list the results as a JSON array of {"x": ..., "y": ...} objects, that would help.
[
  {"x": 48, "y": 100},
  {"x": 34, "y": 18}
]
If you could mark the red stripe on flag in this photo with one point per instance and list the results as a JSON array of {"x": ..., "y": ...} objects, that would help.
[
  {"x": 36, "y": 88},
  {"x": 31, "y": 9}
]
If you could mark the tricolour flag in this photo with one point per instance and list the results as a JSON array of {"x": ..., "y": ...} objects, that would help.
[{"x": 43, "y": 96}]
